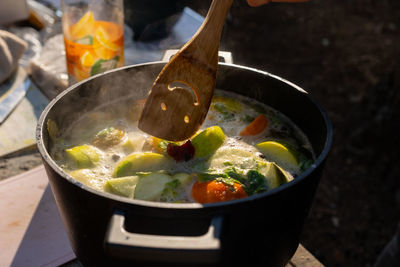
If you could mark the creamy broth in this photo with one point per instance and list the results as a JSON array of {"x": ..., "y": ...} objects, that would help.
[{"x": 243, "y": 148}]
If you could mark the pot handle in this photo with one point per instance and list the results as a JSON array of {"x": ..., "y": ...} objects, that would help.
[{"x": 133, "y": 246}]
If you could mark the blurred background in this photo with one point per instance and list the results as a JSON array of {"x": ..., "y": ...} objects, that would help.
[{"x": 346, "y": 54}]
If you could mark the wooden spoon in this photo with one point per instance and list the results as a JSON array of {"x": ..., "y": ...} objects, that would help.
[{"x": 179, "y": 99}]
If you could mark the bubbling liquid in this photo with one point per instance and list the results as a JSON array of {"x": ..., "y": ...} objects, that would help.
[{"x": 243, "y": 148}]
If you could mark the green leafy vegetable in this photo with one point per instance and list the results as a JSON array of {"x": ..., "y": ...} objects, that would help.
[
  {"x": 221, "y": 108},
  {"x": 253, "y": 181},
  {"x": 256, "y": 183},
  {"x": 247, "y": 119},
  {"x": 170, "y": 189},
  {"x": 235, "y": 174},
  {"x": 205, "y": 177},
  {"x": 305, "y": 164},
  {"x": 227, "y": 180}
]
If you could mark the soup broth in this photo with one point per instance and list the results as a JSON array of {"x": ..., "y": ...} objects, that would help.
[{"x": 243, "y": 148}]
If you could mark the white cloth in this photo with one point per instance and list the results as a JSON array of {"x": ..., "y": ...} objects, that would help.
[{"x": 11, "y": 49}]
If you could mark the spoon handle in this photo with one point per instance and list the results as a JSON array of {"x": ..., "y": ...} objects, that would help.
[
  {"x": 205, "y": 43},
  {"x": 181, "y": 94}
]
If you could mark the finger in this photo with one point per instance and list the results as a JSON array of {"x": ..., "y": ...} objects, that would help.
[
  {"x": 255, "y": 3},
  {"x": 289, "y": 1}
]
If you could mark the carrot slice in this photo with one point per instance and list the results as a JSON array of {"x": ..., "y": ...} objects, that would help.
[
  {"x": 256, "y": 126},
  {"x": 216, "y": 191}
]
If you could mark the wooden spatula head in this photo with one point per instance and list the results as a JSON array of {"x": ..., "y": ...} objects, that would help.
[
  {"x": 176, "y": 113},
  {"x": 173, "y": 112}
]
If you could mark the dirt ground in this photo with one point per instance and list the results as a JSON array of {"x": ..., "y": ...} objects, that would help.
[{"x": 346, "y": 54}]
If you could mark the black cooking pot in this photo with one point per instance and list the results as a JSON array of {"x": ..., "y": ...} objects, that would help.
[{"x": 261, "y": 230}]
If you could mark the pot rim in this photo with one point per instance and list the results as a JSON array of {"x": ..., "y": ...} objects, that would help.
[{"x": 46, "y": 157}]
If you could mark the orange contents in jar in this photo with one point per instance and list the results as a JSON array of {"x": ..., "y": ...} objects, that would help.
[{"x": 93, "y": 46}]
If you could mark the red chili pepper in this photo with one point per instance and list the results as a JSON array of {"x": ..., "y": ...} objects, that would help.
[{"x": 183, "y": 152}]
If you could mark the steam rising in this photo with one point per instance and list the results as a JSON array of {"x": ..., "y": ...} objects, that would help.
[{"x": 130, "y": 84}]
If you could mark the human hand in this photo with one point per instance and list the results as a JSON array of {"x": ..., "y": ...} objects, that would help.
[{"x": 263, "y": 2}]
